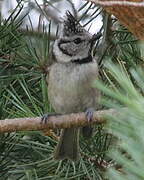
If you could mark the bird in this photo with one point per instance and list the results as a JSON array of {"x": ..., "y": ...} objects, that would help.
[{"x": 71, "y": 82}]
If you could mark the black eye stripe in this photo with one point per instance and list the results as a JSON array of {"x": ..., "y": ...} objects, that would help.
[{"x": 77, "y": 40}]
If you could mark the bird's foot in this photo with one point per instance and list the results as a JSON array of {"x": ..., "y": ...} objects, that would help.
[
  {"x": 45, "y": 117},
  {"x": 48, "y": 132},
  {"x": 87, "y": 130},
  {"x": 89, "y": 114}
]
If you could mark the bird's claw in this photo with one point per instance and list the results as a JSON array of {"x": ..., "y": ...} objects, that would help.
[
  {"x": 44, "y": 119},
  {"x": 89, "y": 114}
]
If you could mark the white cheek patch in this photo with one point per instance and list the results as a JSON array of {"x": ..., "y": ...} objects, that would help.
[
  {"x": 60, "y": 56},
  {"x": 64, "y": 58}
]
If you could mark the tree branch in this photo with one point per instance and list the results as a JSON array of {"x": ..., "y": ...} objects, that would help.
[
  {"x": 117, "y": 3},
  {"x": 55, "y": 121},
  {"x": 35, "y": 33}
]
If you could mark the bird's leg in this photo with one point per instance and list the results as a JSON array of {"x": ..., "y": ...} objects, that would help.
[
  {"x": 87, "y": 130},
  {"x": 89, "y": 114},
  {"x": 49, "y": 132}
]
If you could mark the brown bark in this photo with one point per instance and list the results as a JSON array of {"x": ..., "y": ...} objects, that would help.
[
  {"x": 56, "y": 121},
  {"x": 128, "y": 13}
]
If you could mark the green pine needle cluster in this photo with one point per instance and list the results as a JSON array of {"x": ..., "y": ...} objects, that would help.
[{"x": 128, "y": 127}]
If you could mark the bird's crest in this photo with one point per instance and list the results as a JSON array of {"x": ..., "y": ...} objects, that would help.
[{"x": 72, "y": 26}]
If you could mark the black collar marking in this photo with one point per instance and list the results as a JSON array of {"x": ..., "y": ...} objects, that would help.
[{"x": 83, "y": 61}]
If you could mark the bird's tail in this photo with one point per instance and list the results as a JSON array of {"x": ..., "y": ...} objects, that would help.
[{"x": 68, "y": 146}]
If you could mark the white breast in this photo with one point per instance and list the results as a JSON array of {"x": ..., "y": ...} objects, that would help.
[{"x": 70, "y": 87}]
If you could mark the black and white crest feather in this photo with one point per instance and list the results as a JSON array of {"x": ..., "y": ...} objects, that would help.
[{"x": 72, "y": 26}]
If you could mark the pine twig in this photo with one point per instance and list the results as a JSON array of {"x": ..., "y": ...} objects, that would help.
[
  {"x": 35, "y": 33},
  {"x": 55, "y": 121}
]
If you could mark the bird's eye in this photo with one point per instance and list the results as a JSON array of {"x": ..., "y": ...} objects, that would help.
[{"x": 77, "y": 40}]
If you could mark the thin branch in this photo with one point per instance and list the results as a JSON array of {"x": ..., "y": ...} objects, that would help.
[
  {"x": 117, "y": 3},
  {"x": 35, "y": 33},
  {"x": 107, "y": 37},
  {"x": 55, "y": 121}
]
